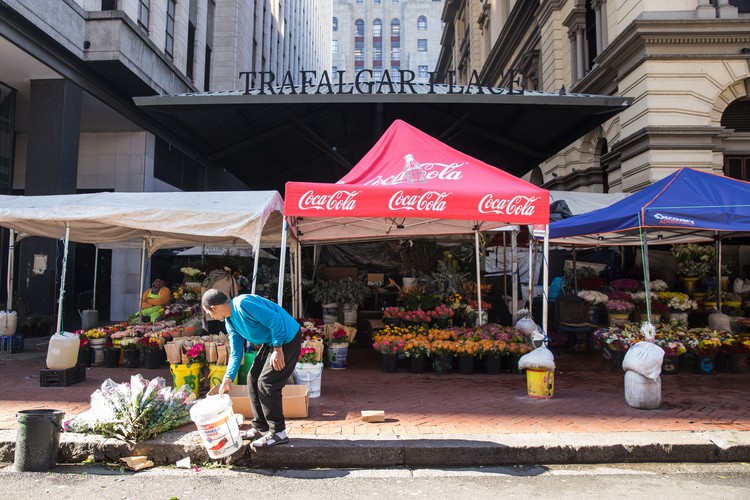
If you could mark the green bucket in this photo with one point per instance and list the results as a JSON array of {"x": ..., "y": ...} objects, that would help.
[{"x": 247, "y": 362}]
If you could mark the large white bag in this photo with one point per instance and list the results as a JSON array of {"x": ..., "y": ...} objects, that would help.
[
  {"x": 644, "y": 358},
  {"x": 540, "y": 358}
]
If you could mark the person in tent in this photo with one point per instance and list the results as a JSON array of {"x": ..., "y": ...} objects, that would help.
[
  {"x": 262, "y": 322},
  {"x": 154, "y": 299},
  {"x": 218, "y": 278}
]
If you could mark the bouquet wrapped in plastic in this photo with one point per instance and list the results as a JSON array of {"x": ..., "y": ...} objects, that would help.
[{"x": 134, "y": 411}]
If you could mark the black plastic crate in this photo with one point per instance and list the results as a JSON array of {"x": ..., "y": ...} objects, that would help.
[
  {"x": 62, "y": 378},
  {"x": 18, "y": 342}
]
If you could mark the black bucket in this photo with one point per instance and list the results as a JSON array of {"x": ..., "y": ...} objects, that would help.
[{"x": 37, "y": 439}]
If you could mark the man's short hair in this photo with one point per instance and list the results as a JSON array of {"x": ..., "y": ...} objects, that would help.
[{"x": 213, "y": 297}]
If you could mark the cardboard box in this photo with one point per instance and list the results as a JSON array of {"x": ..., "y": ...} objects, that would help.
[
  {"x": 295, "y": 400},
  {"x": 375, "y": 279},
  {"x": 338, "y": 273}
]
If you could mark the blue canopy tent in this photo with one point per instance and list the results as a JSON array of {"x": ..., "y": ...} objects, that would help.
[{"x": 687, "y": 206}]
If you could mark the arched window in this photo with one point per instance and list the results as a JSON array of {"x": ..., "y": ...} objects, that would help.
[
  {"x": 395, "y": 27},
  {"x": 421, "y": 23},
  {"x": 335, "y": 24},
  {"x": 377, "y": 28},
  {"x": 359, "y": 27}
]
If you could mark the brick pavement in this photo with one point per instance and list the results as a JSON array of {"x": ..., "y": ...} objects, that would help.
[{"x": 588, "y": 397}]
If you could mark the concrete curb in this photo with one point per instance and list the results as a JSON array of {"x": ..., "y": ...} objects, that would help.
[{"x": 421, "y": 450}]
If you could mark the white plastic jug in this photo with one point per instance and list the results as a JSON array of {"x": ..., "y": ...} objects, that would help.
[
  {"x": 62, "y": 352},
  {"x": 217, "y": 425},
  {"x": 8, "y": 322}
]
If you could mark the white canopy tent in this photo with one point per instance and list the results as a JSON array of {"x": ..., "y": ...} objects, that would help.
[{"x": 158, "y": 220}]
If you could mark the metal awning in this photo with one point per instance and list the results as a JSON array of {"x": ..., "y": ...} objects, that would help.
[{"x": 267, "y": 139}]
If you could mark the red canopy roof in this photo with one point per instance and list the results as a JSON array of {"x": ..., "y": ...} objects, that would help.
[{"x": 445, "y": 184}]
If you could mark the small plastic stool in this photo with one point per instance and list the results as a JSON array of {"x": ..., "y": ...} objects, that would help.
[{"x": 6, "y": 343}]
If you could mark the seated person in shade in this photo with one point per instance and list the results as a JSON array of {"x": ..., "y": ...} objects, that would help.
[{"x": 154, "y": 299}]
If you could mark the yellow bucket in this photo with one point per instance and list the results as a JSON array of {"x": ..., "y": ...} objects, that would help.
[
  {"x": 189, "y": 375},
  {"x": 540, "y": 383},
  {"x": 216, "y": 375}
]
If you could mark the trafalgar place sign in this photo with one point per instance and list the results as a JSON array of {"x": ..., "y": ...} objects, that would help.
[{"x": 365, "y": 82}]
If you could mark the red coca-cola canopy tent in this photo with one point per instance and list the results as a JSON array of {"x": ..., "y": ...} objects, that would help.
[{"x": 387, "y": 195}]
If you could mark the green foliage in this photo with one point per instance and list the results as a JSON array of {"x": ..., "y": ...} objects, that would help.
[{"x": 419, "y": 257}]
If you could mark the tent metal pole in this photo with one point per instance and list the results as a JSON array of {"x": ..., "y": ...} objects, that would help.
[
  {"x": 62, "y": 279},
  {"x": 505, "y": 271},
  {"x": 140, "y": 281},
  {"x": 96, "y": 270},
  {"x": 545, "y": 285},
  {"x": 530, "y": 293},
  {"x": 647, "y": 272},
  {"x": 298, "y": 288},
  {"x": 11, "y": 256},
  {"x": 718, "y": 269},
  {"x": 255, "y": 264},
  {"x": 293, "y": 278},
  {"x": 514, "y": 273},
  {"x": 282, "y": 262},
  {"x": 479, "y": 277},
  {"x": 575, "y": 272}
]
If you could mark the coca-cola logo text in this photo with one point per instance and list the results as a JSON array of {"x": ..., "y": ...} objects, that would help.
[
  {"x": 430, "y": 201},
  {"x": 440, "y": 171},
  {"x": 340, "y": 200},
  {"x": 518, "y": 205}
]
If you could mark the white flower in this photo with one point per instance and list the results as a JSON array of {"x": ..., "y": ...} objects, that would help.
[
  {"x": 658, "y": 285},
  {"x": 593, "y": 297}
]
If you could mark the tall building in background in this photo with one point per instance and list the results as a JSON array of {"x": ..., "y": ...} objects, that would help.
[
  {"x": 684, "y": 64},
  {"x": 381, "y": 35},
  {"x": 68, "y": 72}
]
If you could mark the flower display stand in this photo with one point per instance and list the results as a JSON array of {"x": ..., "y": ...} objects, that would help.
[
  {"x": 336, "y": 355},
  {"x": 389, "y": 362},
  {"x": 416, "y": 364},
  {"x": 186, "y": 374},
  {"x": 111, "y": 357},
  {"x": 311, "y": 375},
  {"x": 493, "y": 364}
]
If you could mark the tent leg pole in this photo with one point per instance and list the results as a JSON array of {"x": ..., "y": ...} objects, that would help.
[
  {"x": 282, "y": 263},
  {"x": 140, "y": 281},
  {"x": 11, "y": 256},
  {"x": 718, "y": 270},
  {"x": 647, "y": 273},
  {"x": 479, "y": 277},
  {"x": 298, "y": 280},
  {"x": 62, "y": 279},
  {"x": 530, "y": 293},
  {"x": 545, "y": 284},
  {"x": 96, "y": 271},
  {"x": 575, "y": 272},
  {"x": 514, "y": 274},
  {"x": 255, "y": 264}
]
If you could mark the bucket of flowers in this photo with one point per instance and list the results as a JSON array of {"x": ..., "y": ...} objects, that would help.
[
  {"x": 389, "y": 347},
  {"x": 441, "y": 315},
  {"x": 705, "y": 345},
  {"x": 594, "y": 299},
  {"x": 84, "y": 348},
  {"x": 679, "y": 305},
  {"x": 618, "y": 311},
  {"x": 492, "y": 352},
  {"x": 673, "y": 349},
  {"x": 442, "y": 355},
  {"x": 337, "y": 349},
  {"x": 737, "y": 348},
  {"x": 416, "y": 350},
  {"x": 309, "y": 371},
  {"x": 624, "y": 285},
  {"x": 392, "y": 315},
  {"x": 151, "y": 351}
]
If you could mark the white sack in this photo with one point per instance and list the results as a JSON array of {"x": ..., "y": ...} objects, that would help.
[
  {"x": 645, "y": 359},
  {"x": 540, "y": 358}
]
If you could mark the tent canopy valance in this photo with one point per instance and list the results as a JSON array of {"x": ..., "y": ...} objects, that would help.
[
  {"x": 445, "y": 192},
  {"x": 686, "y": 206},
  {"x": 171, "y": 219}
]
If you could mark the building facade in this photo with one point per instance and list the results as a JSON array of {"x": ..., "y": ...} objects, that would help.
[
  {"x": 386, "y": 35},
  {"x": 684, "y": 63},
  {"x": 68, "y": 72}
]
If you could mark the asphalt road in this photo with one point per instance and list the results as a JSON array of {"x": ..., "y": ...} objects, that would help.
[{"x": 621, "y": 481}]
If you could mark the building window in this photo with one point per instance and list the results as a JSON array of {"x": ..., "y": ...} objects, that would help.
[
  {"x": 377, "y": 28},
  {"x": 395, "y": 53},
  {"x": 359, "y": 27},
  {"x": 169, "y": 44},
  {"x": 395, "y": 73},
  {"x": 422, "y": 72},
  {"x": 421, "y": 23},
  {"x": 737, "y": 167},
  {"x": 395, "y": 27},
  {"x": 334, "y": 46},
  {"x": 422, "y": 45},
  {"x": 377, "y": 74},
  {"x": 109, "y": 4},
  {"x": 334, "y": 69},
  {"x": 360, "y": 1},
  {"x": 335, "y": 24},
  {"x": 377, "y": 53},
  {"x": 190, "y": 51},
  {"x": 395, "y": 1},
  {"x": 376, "y": 2},
  {"x": 143, "y": 13}
]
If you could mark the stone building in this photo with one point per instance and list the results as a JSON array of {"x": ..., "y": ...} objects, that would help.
[
  {"x": 68, "y": 72},
  {"x": 684, "y": 63},
  {"x": 382, "y": 35}
]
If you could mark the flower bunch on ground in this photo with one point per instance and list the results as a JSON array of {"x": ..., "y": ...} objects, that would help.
[
  {"x": 389, "y": 344},
  {"x": 619, "y": 295},
  {"x": 417, "y": 346},
  {"x": 149, "y": 343},
  {"x": 134, "y": 411},
  {"x": 595, "y": 284},
  {"x": 678, "y": 302},
  {"x": 593, "y": 297},
  {"x": 307, "y": 355},
  {"x": 95, "y": 333},
  {"x": 339, "y": 336},
  {"x": 619, "y": 307},
  {"x": 624, "y": 285},
  {"x": 671, "y": 347},
  {"x": 393, "y": 312},
  {"x": 736, "y": 345},
  {"x": 196, "y": 354}
]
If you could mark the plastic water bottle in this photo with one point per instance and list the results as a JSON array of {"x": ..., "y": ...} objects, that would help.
[{"x": 413, "y": 171}]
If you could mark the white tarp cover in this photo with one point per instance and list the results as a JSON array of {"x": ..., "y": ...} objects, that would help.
[
  {"x": 171, "y": 219},
  {"x": 581, "y": 202}
]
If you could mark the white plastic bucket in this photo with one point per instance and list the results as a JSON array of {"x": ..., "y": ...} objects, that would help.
[
  {"x": 311, "y": 375},
  {"x": 89, "y": 319},
  {"x": 330, "y": 313},
  {"x": 217, "y": 426},
  {"x": 350, "y": 314},
  {"x": 642, "y": 392},
  {"x": 8, "y": 322}
]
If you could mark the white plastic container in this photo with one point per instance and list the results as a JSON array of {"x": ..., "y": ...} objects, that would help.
[
  {"x": 642, "y": 392},
  {"x": 311, "y": 375},
  {"x": 217, "y": 425},
  {"x": 8, "y": 322},
  {"x": 62, "y": 351}
]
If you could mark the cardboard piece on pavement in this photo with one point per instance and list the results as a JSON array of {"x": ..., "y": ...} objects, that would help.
[
  {"x": 373, "y": 416},
  {"x": 137, "y": 463}
]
